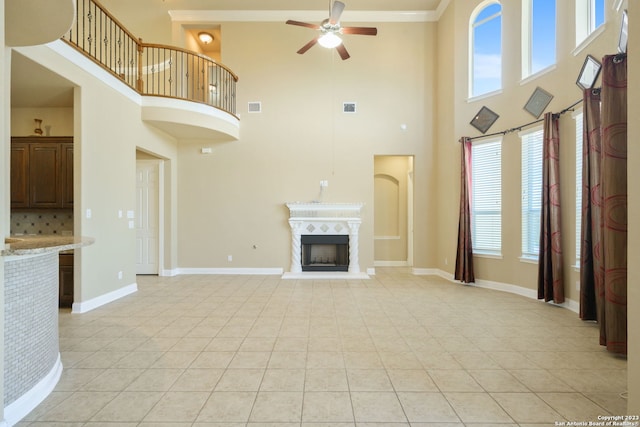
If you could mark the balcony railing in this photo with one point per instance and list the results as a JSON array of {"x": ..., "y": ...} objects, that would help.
[{"x": 150, "y": 69}]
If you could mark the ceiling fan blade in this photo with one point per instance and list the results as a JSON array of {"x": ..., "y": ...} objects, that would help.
[
  {"x": 303, "y": 24},
  {"x": 336, "y": 11},
  {"x": 343, "y": 51},
  {"x": 364, "y": 31},
  {"x": 308, "y": 46}
]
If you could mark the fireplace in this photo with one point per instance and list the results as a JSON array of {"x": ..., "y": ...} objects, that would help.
[
  {"x": 325, "y": 253},
  {"x": 324, "y": 240}
]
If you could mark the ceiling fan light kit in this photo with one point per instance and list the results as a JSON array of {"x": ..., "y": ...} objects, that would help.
[{"x": 330, "y": 30}]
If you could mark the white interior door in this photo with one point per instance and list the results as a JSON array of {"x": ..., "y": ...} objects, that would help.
[{"x": 147, "y": 216}]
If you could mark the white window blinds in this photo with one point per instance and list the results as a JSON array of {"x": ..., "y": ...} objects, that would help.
[
  {"x": 486, "y": 197},
  {"x": 531, "y": 192}
]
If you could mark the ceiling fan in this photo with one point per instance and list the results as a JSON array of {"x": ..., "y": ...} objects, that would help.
[{"x": 330, "y": 29}]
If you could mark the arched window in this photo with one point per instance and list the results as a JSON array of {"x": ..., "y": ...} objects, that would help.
[
  {"x": 486, "y": 49},
  {"x": 538, "y": 35},
  {"x": 589, "y": 17}
]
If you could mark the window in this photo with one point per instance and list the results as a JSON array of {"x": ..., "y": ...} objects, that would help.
[
  {"x": 486, "y": 49},
  {"x": 589, "y": 17},
  {"x": 538, "y": 35},
  {"x": 531, "y": 191},
  {"x": 578, "y": 118},
  {"x": 486, "y": 197}
]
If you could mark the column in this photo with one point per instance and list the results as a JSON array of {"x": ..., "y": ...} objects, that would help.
[{"x": 354, "y": 225}]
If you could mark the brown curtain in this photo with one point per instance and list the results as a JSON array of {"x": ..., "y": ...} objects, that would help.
[
  {"x": 591, "y": 271},
  {"x": 550, "y": 281},
  {"x": 613, "y": 323},
  {"x": 464, "y": 255}
]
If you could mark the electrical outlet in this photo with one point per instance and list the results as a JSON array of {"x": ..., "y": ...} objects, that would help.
[
  {"x": 119, "y": 275},
  {"x": 324, "y": 183},
  {"x": 229, "y": 258}
]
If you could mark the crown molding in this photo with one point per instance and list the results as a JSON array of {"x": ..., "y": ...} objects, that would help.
[{"x": 216, "y": 16}]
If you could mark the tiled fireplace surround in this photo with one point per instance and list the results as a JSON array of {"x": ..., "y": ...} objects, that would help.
[{"x": 324, "y": 219}]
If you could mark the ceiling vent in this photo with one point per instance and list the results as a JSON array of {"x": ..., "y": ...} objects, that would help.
[{"x": 255, "y": 107}]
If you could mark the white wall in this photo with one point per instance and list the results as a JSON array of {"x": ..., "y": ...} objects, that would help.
[{"x": 107, "y": 130}]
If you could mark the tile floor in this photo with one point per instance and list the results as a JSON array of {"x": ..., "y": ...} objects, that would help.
[{"x": 394, "y": 350}]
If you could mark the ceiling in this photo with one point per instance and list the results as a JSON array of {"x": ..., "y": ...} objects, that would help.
[{"x": 33, "y": 86}]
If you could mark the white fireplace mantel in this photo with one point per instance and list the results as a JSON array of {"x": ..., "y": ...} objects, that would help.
[{"x": 324, "y": 219}]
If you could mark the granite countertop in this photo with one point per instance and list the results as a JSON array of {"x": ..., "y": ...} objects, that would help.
[{"x": 32, "y": 245}]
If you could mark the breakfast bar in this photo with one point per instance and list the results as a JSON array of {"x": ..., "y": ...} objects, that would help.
[{"x": 32, "y": 364}]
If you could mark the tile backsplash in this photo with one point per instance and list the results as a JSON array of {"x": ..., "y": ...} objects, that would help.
[{"x": 42, "y": 223}]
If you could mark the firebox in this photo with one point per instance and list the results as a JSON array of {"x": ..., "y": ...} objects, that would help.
[{"x": 325, "y": 252}]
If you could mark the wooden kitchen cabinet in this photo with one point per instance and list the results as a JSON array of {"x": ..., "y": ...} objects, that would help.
[
  {"x": 42, "y": 172},
  {"x": 65, "y": 280},
  {"x": 19, "y": 175}
]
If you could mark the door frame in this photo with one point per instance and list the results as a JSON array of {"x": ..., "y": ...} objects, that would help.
[{"x": 161, "y": 210}]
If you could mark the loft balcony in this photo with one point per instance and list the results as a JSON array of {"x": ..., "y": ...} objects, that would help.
[{"x": 184, "y": 94}]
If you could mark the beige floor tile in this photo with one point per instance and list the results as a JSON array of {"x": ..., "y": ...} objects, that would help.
[
  {"x": 573, "y": 406},
  {"x": 288, "y": 360},
  {"x": 493, "y": 380},
  {"x": 175, "y": 360},
  {"x": 177, "y": 406},
  {"x": 427, "y": 407},
  {"x": 74, "y": 379},
  {"x": 155, "y": 380},
  {"x": 478, "y": 408},
  {"x": 213, "y": 359},
  {"x": 240, "y": 380},
  {"x": 250, "y": 359},
  {"x": 325, "y": 360},
  {"x": 327, "y": 407},
  {"x": 197, "y": 380},
  {"x": 224, "y": 344},
  {"x": 291, "y": 344},
  {"x": 113, "y": 380},
  {"x": 277, "y": 407},
  {"x": 377, "y": 407},
  {"x": 283, "y": 380},
  {"x": 80, "y": 406},
  {"x": 538, "y": 380},
  {"x": 326, "y": 380},
  {"x": 454, "y": 381},
  {"x": 128, "y": 406},
  {"x": 527, "y": 408},
  {"x": 223, "y": 407},
  {"x": 411, "y": 380},
  {"x": 427, "y": 334},
  {"x": 368, "y": 380},
  {"x": 362, "y": 360}
]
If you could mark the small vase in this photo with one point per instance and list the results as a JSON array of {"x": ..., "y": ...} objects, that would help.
[{"x": 38, "y": 129}]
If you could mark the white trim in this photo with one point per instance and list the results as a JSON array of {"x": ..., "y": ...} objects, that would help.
[
  {"x": 386, "y": 237},
  {"x": 484, "y": 96},
  {"x": 538, "y": 74},
  {"x": 82, "y": 61},
  {"x": 391, "y": 263},
  {"x": 528, "y": 259},
  {"x": 325, "y": 275},
  {"x": 498, "y": 286},
  {"x": 235, "y": 271},
  {"x": 85, "y": 306},
  {"x": 209, "y": 16},
  {"x": 26, "y": 403},
  {"x": 169, "y": 272},
  {"x": 587, "y": 41}
]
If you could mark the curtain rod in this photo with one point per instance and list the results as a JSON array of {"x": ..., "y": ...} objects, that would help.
[{"x": 519, "y": 128}]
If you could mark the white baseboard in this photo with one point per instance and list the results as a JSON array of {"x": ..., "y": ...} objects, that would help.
[
  {"x": 390, "y": 264},
  {"x": 84, "y": 306},
  {"x": 498, "y": 286},
  {"x": 26, "y": 403},
  {"x": 234, "y": 271},
  {"x": 169, "y": 273}
]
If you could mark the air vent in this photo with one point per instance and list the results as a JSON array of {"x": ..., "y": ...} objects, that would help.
[
  {"x": 348, "y": 107},
  {"x": 255, "y": 107}
]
